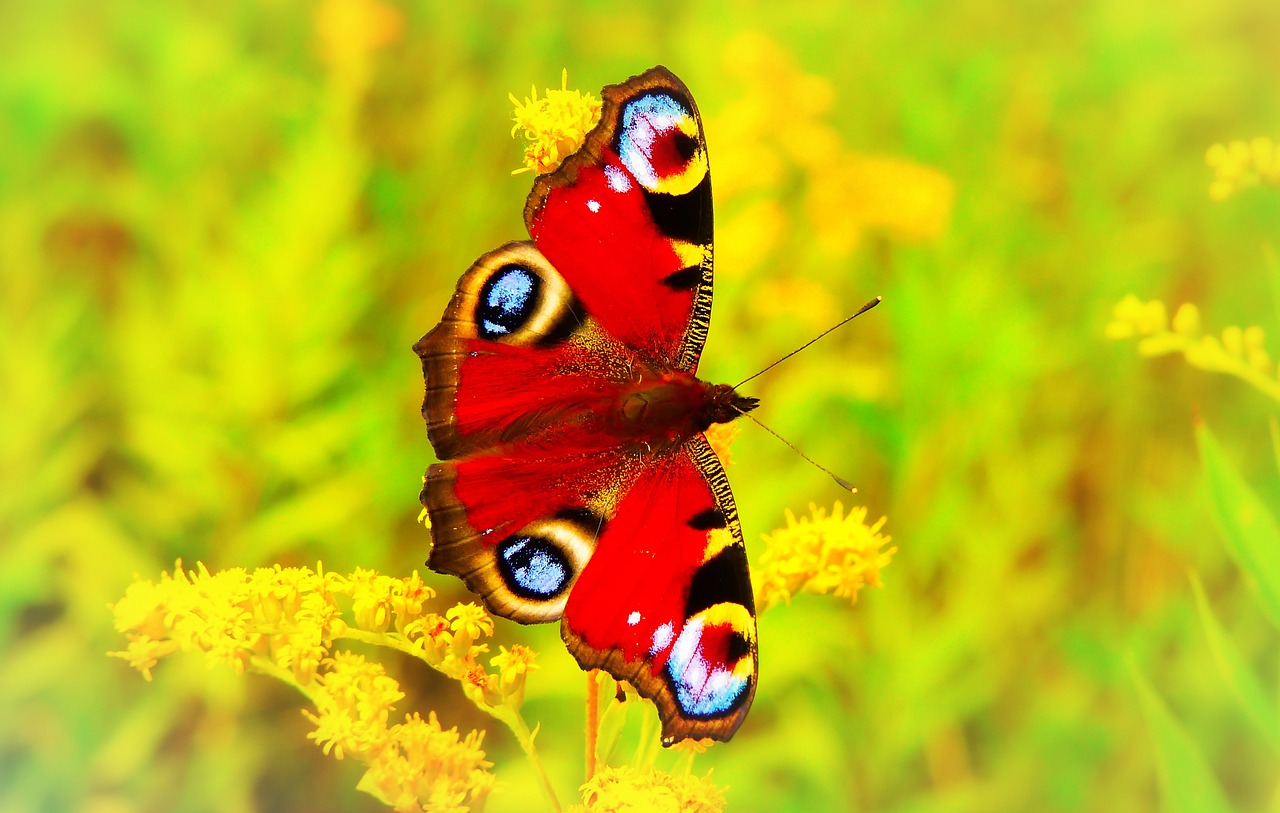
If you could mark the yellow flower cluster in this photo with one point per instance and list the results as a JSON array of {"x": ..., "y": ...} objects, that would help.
[
  {"x": 843, "y": 192},
  {"x": 555, "y": 125},
  {"x": 647, "y": 790},
  {"x": 349, "y": 33},
  {"x": 1239, "y": 352},
  {"x": 721, "y": 437},
  {"x": 283, "y": 622},
  {"x": 414, "y": 765},
  {"x": 429, "y": 769},
  {"x": 835, "y": 554},
  {"x": 1240, "y": 164},
  {"x": 231, "y": 617}
]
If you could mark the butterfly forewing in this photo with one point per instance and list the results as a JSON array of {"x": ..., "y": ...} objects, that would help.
[
  {"x": 627, "y": 220},
  {"x": 556, "y": 496}
]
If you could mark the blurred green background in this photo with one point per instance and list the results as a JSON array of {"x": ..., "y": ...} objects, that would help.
[{"x": 222, "y": 225}]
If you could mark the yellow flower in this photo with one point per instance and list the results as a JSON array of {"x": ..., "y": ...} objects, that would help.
[
  {"x": 424, "y": 768},
  {"x": 513, "y": 666},
  {"x": 1238, "y": 352},
  {"x": 721, "y": 436},
  {"x": 353, "y": 701},
  {"x": 1240, "y": 164},
  {"x": 839, "y": 192},
  {"x": 693, "y": 747},
  {"x": 468, "y": 622},
  {"x": 647, "y": 790},
  {"x": 822, "y": 554},
  {"x": 348, "y": 31},
  {"x": 283, "y": 622},
  {"x": 412, "y": 766},
  {"x": 379, "y": 602},
  {"x": 555, "y": 126}
]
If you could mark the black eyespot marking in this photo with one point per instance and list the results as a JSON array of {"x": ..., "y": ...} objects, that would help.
[
  {"x": 739, "y": 647},
  {"x": 685, "y": 144},
  {"x": 723, "y": 578},
  {"x": 708, "y": 519},
  {"x": 684, "y": 217},
  {"x": 533, "y": 567},
  {"x": 507, "y": 300},
  {"x": 686, "y": 279}
]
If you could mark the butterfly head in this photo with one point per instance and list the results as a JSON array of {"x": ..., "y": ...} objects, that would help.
[{"x": 724, "y": 404}]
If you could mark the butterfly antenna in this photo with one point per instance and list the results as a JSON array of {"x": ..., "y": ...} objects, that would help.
[
  {"x": 840, "y": 481},
  {"x": 841, "y": 323}
]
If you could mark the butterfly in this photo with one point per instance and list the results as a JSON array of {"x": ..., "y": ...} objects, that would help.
[{"x": 576, "y": 482}]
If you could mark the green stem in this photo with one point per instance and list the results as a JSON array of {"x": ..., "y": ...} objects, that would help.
[
  {"x": 265, "y": 666},
  {"x": 525, "y": 737}
]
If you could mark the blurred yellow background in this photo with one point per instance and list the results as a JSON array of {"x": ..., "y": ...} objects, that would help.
[{"x": 223, "y": 225}]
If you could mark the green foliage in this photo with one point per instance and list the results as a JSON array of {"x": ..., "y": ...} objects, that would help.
[
  {"x": 1187, "y": 782},
  {"x": 1248, "y": 527},
  {"x": 222, "y": 226}
]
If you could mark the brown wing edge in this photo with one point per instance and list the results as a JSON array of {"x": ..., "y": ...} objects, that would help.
[
  {"x": 676, "y": 727},
  {"x": 459, "y": 550},
  {"x": 589, "y": 154},
  {"x": 444, "y": 347}
]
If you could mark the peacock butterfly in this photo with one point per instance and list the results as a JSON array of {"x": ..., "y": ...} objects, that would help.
[{"x": 576, "y": 481}]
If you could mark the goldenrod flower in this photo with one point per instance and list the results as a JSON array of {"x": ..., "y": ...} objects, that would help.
[
  {"x": 835, "y": 554},
  {"x": 1239, "y": 352},
  {"x": 555, "y": 125},
  {"x": 721, "y": 436},
  {"x": 412, "y": 766},
  {"x": 424, "y": 768},
  {"x": 1240, "y": 164},
  {"x": 839, "y": 193},
  {"x": 284, "y": 621},
  {"x": 647, "y": 790},
  {"x": 468, "y": 622},
  {"x": 349, "y": 31},
  {"x": 353, "y": 701},
  {"x": 513, "y": 666}
]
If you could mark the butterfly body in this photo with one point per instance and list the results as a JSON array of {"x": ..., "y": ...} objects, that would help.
[
  {"x": 562, "y": 399},
  {"x": 670, "y": 408}
]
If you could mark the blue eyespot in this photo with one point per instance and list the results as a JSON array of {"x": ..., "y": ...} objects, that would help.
[
  {"x": 658, "y": 111},
  {"x": 650, "y": 123},
  {"x": 533, "y": 567},
  {"x": 706, "y": 687},
  {"x": 507, "y": 300}
]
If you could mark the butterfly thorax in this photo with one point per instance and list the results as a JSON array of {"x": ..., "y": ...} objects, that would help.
[{"x": 674, "y": 406}]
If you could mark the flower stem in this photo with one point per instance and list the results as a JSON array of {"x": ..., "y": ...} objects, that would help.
[
  {"x": 525, "y": 737},
  {"x": 265, "y": 666},
  {"x": 593, "y": 721}
]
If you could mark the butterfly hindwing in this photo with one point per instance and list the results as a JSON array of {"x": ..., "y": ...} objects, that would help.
[
  {"x": 627, "y": 220},
  {"x": 665, "y": 601},
  {"x": 575, "y": 481}
]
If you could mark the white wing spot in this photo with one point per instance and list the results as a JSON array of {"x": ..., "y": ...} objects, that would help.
[
  {"x": 661, "y": 638},
  {"x": 617, "y": 179}
]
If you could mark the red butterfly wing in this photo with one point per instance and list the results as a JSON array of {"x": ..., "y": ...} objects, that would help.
[
  {"x": 665, "y": 602},
  {"x": 513, "y": 355},
  {"x": 627, "y": 220},
  {"x": 547, "y": 502}
]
